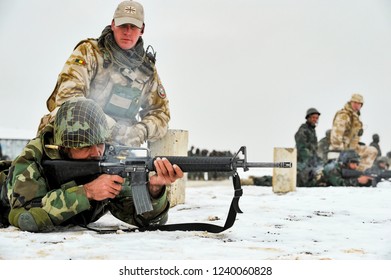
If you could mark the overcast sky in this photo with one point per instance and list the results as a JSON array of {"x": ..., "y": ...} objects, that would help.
[{"x": 236, "y": 72}]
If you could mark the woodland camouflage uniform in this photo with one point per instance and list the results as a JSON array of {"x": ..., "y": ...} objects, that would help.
[
  {"x": 332, "y": 172},
  {"x": 346, "y": 132},
  {"x": 4, "y": 202},
  {"x": 32, "y": 197},
  {"x": 381, "y": 164},
  {"x": 332, "y": 175},
  {"x": 323, "y": 146},
  {"x": 124, "y": 83},
  {"x": 308, "y": 161}
]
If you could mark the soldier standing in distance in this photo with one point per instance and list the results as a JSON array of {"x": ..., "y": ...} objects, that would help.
[
  {"x": 375, "y": 143},
  {"x": 323, "y": 146},
  {"x": 120, "y": 75},
  {"x": 308, "y": 162},
  {"x": 347, "y": 130}
]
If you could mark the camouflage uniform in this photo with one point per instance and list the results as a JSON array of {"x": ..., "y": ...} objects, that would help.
[
  {"x": 124, "y": 83},
  {"x": 306, "y": 144},
  {"x": 346, "y": 132},
  {"x": 332, "y": 171},
  {"x": 323, "y": 146},
  {"x": 30, "y": 192},
  {"x": 4, "y": 203},
  {"x": 308, "y": 161},
  {"x": 332, "y": 175},
  {"x": 381, "y": 164},
  {"x": 375, "y": 143}
]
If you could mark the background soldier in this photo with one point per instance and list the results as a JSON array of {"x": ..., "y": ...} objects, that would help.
[
  {"x": 381, "y": 164},
  {"x": 346, "y": 133},
  {"x": 348, "y": 159},
  {"x": 375, "y": 143},
  {"x": 323, "y": 146},
  {"x": 308, "y": 162}
]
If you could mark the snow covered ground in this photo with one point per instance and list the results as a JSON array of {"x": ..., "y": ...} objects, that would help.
[{"x": 333, "y": 223}]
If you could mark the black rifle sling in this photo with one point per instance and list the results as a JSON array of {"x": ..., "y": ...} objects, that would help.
[{"x": 233, "y": 210}]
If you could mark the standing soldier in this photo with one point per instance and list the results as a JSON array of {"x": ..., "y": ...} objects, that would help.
[
  {"x": 375, "y": 143},
  {"x": 323, "y": 146},
  {"x": 119, "y": 74},
  {"x": 346, "y": 133},
  {"x": 308, "y": 162}
]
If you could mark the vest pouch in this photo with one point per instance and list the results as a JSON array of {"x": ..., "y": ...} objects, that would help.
[{"x": 124, "y": 102}]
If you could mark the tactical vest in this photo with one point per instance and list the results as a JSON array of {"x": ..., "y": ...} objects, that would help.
[{"x": 118, "y": 90}]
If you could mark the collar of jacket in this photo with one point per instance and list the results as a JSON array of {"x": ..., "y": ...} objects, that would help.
[{"x": 349, "y": 108}]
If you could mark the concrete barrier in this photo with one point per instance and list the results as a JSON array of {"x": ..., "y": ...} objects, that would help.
[
  {"x": 284, "y": 179},
  {"x": 174, "y": 143}
]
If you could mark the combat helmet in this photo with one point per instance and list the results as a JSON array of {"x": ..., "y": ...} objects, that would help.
[
  {"x": 311, "y": 111},
  {"x": 79, "y": 123},
  {"x": 383, "y": 160},
  {"x": 348, "y": 156}
]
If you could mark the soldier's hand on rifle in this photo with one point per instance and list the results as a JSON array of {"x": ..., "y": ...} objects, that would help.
[
  {"x": 103, "y": 187},
  {"x": 166, "y": 174},
  {"x": 364, "y": 179}
]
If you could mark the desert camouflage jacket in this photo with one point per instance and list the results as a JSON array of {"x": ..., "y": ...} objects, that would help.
[
  {"x": 29, "y": 190},
  {"x": 345, "y": 133},
  {"x": 127, "y": 95}
]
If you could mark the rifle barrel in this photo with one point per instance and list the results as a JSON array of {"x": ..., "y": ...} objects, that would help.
[
  {"x": 283, "y": 164},
  {"x": 198, "y": 164},
  {"x": 216, "y": 164}
]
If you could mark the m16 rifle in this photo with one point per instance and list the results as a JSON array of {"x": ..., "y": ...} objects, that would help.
[
  {"x": 375, "y": 175},
  {"x": 127, "y": 163}
]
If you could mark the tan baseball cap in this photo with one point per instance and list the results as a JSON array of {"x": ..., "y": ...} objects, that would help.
[
  {"x": 129, "y": 12},
  {"x": 357, "y": 98}
]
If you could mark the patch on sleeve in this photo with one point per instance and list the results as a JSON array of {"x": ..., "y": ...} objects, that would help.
[
  {"x": 161, "y": 92},
  {"x": 80, "y": 61}
]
